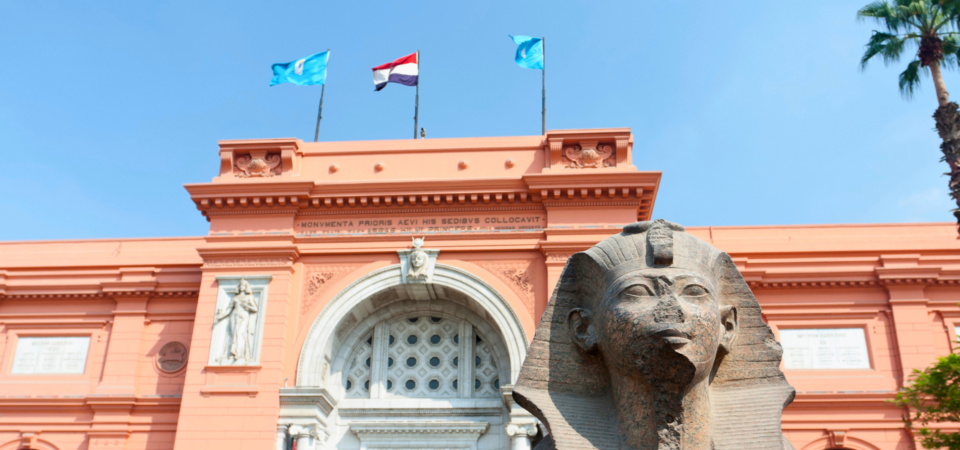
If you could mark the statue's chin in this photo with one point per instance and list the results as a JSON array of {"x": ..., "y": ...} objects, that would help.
[{"x": 667, "y": 366}]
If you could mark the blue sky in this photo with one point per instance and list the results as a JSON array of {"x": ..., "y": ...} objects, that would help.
[{"x": 756, "y": 112}]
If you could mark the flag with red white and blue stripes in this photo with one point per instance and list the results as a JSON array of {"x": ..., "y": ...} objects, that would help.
[{"x": 403, "y": 71}]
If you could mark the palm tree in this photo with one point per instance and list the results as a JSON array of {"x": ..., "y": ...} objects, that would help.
[{"x": 930, "y": 27}]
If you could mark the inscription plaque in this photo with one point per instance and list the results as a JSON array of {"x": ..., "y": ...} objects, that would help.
[
  {"x": 824, "y": 348},
  {"x": 66, "y": 355},
  {"x": 420, "y": 223}
]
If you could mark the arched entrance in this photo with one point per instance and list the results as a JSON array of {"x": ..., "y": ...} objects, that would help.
[{"x": 389, "y": 364}]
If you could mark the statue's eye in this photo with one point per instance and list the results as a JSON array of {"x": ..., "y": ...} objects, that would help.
[
  {"x": 638, "y": 290},
  {"x": 694, "y": 290}
]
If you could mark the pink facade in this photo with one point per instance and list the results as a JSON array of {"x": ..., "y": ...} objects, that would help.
[{"x": 320, "y": 231}]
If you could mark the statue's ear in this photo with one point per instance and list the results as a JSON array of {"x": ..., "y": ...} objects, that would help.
[
  {"x": 730, "y": 327},
  {"x": 581, "y": 330}
]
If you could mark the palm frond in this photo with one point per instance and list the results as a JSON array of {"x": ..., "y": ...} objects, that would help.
[
  {"x": 887, "y": 45},
  {"x": 910, "y": 79},
  {"x": 883, "y": 12},
  {"x": 951, "y": 50}
]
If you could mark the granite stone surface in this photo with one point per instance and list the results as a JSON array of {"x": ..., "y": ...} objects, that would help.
[{"x": 652, "y": 340}]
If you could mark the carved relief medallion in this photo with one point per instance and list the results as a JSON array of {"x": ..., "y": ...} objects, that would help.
[
  {"x": 258, "y": 165},
  {"x": 588, "y": 155},
  {"x": 172, "y": 357}
]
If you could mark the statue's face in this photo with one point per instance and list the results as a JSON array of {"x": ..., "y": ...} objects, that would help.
[
  {"x": 244, "y": 287},
  {"x": 663, "y": 324},
  {"x": 419, "y": 259}
]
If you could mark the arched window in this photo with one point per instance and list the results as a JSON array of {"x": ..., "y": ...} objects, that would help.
[{"x": 423, "y": 355}]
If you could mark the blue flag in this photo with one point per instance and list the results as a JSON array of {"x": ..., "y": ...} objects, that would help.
[
  {"x": 529, "y": 52},
  {"x": 302, "y": 72}
]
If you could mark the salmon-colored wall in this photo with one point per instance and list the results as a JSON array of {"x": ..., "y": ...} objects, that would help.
[{"x": 898, "y": 282}]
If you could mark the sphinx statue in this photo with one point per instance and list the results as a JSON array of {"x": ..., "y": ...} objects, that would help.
[{"x": 653, "y": 341}]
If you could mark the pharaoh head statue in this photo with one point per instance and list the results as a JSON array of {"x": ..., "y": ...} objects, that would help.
[
  {"x": 243, "y": 287},
  {"x": 652, "y": 340}
]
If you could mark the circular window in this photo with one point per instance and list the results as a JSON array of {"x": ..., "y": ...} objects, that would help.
[
  {"x": 411, "y": 362},
  {"x": 479, "y": 340},
  {"x": 389, "y": 362},
  {"x": 434, "y": 384},
  {"x": 413, "y": 319},
  {"x": 454, "y": 384},
  {"x": 476, "y": 384},
  {"x": 434, "y": 362},
  {"x": 496, "y": 383},
  {"x": 349, "y": 385},
  {"x": 389, "y": 384},
  {"x": 411, "y": 385},
  {"x": 412, "y": 339},
  {"x": 435, "y": 319},
  {"x": 366, "y": 385},
  {"x": 435, "y": 339},
  {"x": 456, "y": 339},
  {"x": 370, "y": 341},
  {"x": 367, "y": 362},
  {"x": 479, "y": 361},
  {"x": 456, "y": 361},
  {"x": 392, "y": 339}
]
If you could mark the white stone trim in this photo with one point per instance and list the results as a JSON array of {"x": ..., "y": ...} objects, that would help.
[
  {"x": 419, "y": 434},
  {"x": 319, "y": 340}
]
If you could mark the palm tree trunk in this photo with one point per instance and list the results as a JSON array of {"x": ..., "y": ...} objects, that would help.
[
  {"x": 947, "y": 118},
  {"x": 943, "y": 97}
]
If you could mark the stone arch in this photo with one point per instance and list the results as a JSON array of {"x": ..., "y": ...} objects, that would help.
[
  {"x": 852, "y": 443},
  {"x": 338, "y": 319},
  {"x": 39, "y": 444}
]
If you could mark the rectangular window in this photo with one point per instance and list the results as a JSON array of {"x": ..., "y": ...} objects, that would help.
[
  {"x": 824, "y": 348},
  {"x": 66, "y": 355}
]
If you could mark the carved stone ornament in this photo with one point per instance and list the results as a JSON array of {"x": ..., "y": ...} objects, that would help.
[
  {"x": 258, "y": 164},
  {"x": 316, "y": 281},
  {"x": 172, "y": 357},
  {"x": 518, "y": 277},
  {"x": 589, "y": 155},
  {"x": 653, "y": 341},
  {"x": 417, "y": 263}
]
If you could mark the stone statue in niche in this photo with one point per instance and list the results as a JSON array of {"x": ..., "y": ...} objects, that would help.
[
  {"x": 242, "y": 326},
  {"x": 653, "y": 341},
  {"x": 417, "y": 272}
]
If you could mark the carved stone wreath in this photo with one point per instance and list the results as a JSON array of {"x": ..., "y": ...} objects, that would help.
[
  {"x": 588, "y": 155},
  {"x": 268, "y": 165},
  {"x": 517, "y": 276},
  {"x": 316, "y": 281}
]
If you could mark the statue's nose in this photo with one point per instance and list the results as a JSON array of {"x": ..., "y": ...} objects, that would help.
[{"x": 668, "y": 310}]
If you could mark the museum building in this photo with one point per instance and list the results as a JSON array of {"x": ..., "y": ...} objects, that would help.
[{"x": 382, "y": 294}]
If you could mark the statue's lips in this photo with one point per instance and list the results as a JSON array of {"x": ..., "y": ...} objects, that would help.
[{"x": 673, "y": 336}]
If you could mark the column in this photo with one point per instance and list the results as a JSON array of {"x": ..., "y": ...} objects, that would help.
[
  {"x": 281, "y": 437},
  {"x": 378, "y": 357},
  {"x": 466, "y": 374},
  {"x": 520, "y": 434},
  {"x": 123, "y": 348},
  {"x": 308, "y": 437}
]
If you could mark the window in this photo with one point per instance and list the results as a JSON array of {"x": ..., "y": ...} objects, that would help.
[{"x": 423, "y": 355}]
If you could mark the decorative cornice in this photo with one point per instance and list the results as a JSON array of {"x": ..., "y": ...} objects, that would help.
[
  {"x": 381, "y": 429},
  {"x": 419, "y": 412},
  {"x": 280, "y": 256}
]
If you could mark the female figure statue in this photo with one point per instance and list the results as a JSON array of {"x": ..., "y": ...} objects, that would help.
[
  {"x": 242, "y": 327},
  {"x": 653, "y": 341}
]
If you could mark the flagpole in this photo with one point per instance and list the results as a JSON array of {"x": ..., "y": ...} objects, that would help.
[
  {"x": 323, "y": 90},
  {"x": 416, "y": 103},
  {"x": 543, "y": 124}
]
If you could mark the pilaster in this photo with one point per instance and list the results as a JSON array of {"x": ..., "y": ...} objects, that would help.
[{"x": 905, "y": 281}]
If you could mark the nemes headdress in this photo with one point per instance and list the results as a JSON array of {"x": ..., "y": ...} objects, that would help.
[{"x": 569, "y": 390}]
